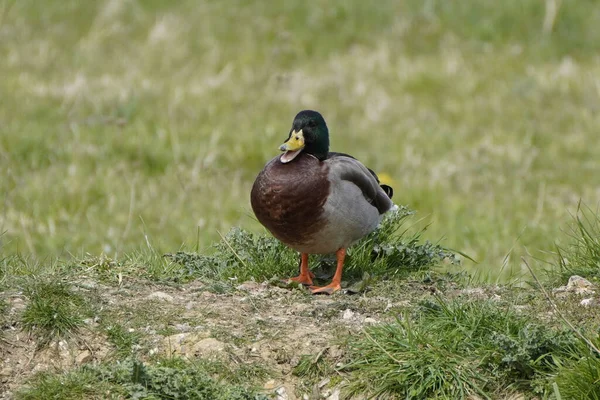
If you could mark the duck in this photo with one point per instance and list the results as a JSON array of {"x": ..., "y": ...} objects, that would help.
[{"x": 316, "y": 201}]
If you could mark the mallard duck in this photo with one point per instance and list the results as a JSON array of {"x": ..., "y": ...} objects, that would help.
[{"x": 316, "y": 201}]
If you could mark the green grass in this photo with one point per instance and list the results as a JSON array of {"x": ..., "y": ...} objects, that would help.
[
  {"x": 54, "y": 310},
  {"x": 141, "y": 121},
  {"x": 454, "y": 349},
  {"x": 581, "y": 256},
  {"x": 164, "y": 379},
  {"x": 578, "y": 378},
  {"x": 310, "y": 366},
  {"x": 123, "y": 340}
]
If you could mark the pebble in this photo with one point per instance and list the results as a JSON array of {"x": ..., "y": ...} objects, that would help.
[
  {"x": 83, "y": 358},
  {"x": 348, "y": 314},
  {"x": 587, "y": 302},
  {"x": 160, "y": 296}
]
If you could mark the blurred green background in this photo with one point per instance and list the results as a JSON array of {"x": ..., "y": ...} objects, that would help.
[{"x": 127, "y": 122}]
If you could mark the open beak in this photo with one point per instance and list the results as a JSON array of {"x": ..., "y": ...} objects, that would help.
[{"x": 292, "y": 147}]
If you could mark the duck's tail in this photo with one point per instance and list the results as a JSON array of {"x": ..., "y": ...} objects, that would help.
[{"x": 388, "y": 190}]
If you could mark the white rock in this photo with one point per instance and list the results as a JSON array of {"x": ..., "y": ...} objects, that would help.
[
  {"x": 587, "y": 302},
  {"x": 281, "y": 394},
  {"x": 335, "y": 395},
  {"x": 577, "y": 285},
  {"x": 348, "y": 314},
  {"x": 160, "y": 296},
  {"x": 252, "y": 287},
  {"x": 577, "y": 281}
]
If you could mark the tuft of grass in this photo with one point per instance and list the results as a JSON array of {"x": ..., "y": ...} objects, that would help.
[
  {"x": 3, "y": 315},
  {"x": 82, "y": 384},
  {"x": 54, "y": 310},
  {"x": 579, "y": 376},
  {"x": 407, "y": 360},
  {"x": 311, "y": 367},
  {"x": 388, "y": 251},
  {"x": 166, "y": 379},
  {"x": 514, "y": 346},
  {"x": 243, "y": 255},
  {"x": 581, "y": 256},
  {"x": 454, "y": 349},
  {"x": 142, "y": 263},
  {"x": 123, "y": 340}
]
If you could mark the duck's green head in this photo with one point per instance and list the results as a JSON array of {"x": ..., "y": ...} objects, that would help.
[{"x": 309, "y": 134}]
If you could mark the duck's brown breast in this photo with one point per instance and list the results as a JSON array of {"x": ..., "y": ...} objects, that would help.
[{"x": 288, "y": 198}]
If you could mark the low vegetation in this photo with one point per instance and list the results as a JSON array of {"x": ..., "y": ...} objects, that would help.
[
  {"x": 389, "y": 251},
  {"x": 581, "y": 256},
  {"x": 164, "y": 379},
  {"x": 453, "y": 349}
]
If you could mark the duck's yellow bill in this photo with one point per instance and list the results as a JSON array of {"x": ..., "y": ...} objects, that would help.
[
  {"x": 292, "y": 147},
  {"x": 295, "y": 142}
]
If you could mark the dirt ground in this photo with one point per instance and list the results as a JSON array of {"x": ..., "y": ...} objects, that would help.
[{"x": 255, "y": 324}]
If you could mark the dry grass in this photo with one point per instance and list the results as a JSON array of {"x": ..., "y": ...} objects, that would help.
[{"x": 132, "y": 121}]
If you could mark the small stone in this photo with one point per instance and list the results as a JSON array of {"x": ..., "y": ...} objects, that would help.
[
  {"x": 6, "y": 371},
  {"x": 336, "y": 352},
  {"x": 83, "y": 358},
  {"x": 388, "y": 306},
  {"x": 577, "y": 285},
  {"x": 206, "y": 346},
  {"x": 18, "y": 304},
  {"x": 281, "y": 394},
  {"x": 269, "y": 385},
  {"x": 324, "y": 382},
  {"x": 160, "y": 296},
  {"x": 587, "y": 302},
  {"x": 348, "y": 314},
  {"x": 370, "y": 321},
  {"x": 577, "y": 281},
  {"x": 335, "y": 395},
  {"x": 183, "y": 327},
  {"x": 252, "y": 286},
  {"x": 183, "y": 343},
  {"x": 516, "y": 396},
  {"x": 88, "y": 285},
  {"x": 478, "y": 293}
]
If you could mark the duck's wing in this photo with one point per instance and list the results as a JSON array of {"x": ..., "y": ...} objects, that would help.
[
  {"x": 386, "y": 188},
  {"x": 345, "y": 167}
]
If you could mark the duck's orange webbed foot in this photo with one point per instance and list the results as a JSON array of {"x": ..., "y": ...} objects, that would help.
[
  {"x": 305, "y": 277},
  {"x": 329, "y": 289},
  {"x": 305, "y": 280},
  {"x": 336, "y": 282}
]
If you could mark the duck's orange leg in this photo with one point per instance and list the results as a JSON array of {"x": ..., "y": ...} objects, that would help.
[
  {"x": 336, "y": 282},
  {"x": 305, "y": 277}
]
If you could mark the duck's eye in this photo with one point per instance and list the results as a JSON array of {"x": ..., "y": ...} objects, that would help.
[{"x": 297, "y": 137}]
